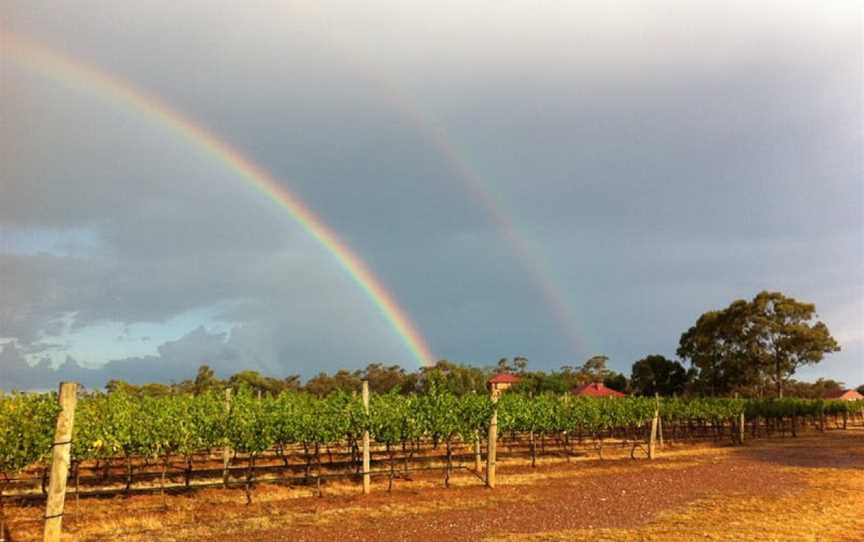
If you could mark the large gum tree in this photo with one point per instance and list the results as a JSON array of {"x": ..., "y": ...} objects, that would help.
[{"x": 763, "y": 340}]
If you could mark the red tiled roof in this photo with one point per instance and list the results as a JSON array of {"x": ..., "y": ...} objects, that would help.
[
  {"x": 504, "y": 378},
  {"x": 596, "y": 389},
  {"x": 849, "y": 395}
]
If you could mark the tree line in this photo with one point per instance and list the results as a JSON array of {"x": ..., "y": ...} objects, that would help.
[{"x": 750, "y": 348}]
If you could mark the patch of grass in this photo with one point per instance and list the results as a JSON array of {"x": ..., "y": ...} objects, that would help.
[
  {"x": 829, "y": 508},
  {"x": 217, "y": 512},
  {"x": 612, "y": 469}
]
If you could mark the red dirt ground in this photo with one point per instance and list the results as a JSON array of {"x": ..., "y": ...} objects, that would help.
[{"x": 617, "y": 495}]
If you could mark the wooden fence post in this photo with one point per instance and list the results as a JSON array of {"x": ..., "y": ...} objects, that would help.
[
  {"x": 740, "y": 423},
  {"x": 478, "y": 460},
  {"x": 367, "y": 481},
  {"x": 659, "y": 420},
  {"x": 652, "y": 442},
  {"x": 60, "y": 453},
  {"x": 492, "y": 444},
  {"x": 226, "y": 450}
]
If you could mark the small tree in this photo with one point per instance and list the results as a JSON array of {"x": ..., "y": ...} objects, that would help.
[
  {"x": 717, "y": 348},
  {"x": 656, "y": 374},
  {"x": 616, "y": 381},
  {"x": 383, "y": 379},
  {"x": 205, "y": 380},
  {"x": 594, "y": 369}
]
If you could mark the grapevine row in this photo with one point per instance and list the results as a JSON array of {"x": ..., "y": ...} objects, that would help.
[{"x": 116, "y": 424}]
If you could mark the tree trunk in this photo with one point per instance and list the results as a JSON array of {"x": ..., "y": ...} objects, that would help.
[
  {"x": 390, "y": 456},
  {"x": 308, "y": 457},
  {"x": 188, "y": 471},
  {"x": 318, "y": 470},
  {"x": 778, "y": 376},
  {"x": 77, "y": 489},
  {"x": 162, "y": 482},
  {"x": 128, "y": 473},
  {"x": 3, "y": 510},
  {"x": 249, "y": 470},
  {"x": 448, "y": 466}
]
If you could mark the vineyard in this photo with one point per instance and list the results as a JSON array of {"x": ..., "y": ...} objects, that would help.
[{"x": 125, "y": 443}]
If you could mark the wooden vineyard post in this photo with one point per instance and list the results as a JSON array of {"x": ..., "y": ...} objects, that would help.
[
  {"x": 659, "y": 419},
  {"x": 478, "y": 460},
  {"x": 652, "y": 442},
  {"x": 60, "y": 453},
  {"x": 226, "y": 450},
  {"x": 492, "y": 444},
  {"x": 367, "y": 482},
  {"x": 741, "y": 425}
]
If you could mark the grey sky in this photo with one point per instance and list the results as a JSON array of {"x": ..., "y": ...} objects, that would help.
[{"x": 661, "y": 159}]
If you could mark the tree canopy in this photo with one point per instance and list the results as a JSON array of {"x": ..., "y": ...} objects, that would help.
[
  {"x": 656, "y": 374},
  {"x": 755, "y": 344}
]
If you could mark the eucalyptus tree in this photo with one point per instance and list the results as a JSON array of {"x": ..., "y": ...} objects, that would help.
[
  {"x": 765, "y": 339},
  {"x": 656, "y": 374}
]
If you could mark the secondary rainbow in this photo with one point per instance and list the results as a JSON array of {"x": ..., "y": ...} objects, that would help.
[
  {"x": 527, "y": 252},
  {"x": 57, "y": 65}
]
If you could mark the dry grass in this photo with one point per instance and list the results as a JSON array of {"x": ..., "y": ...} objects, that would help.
[
  {"x": 198, "y": 517},
  {"x": 832, "y": 509},
  {"x": 179, "y": 525},
  {"x": 605, "y": 470},
  {"x": 827, "y": 506}
]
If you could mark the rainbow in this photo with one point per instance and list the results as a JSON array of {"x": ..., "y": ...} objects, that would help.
[
  {"x": 526, "y": 251},
  {"x": 49, "y": 63}
]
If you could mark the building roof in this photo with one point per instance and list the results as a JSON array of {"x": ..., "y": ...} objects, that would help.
[
  {"x": 596, "y": 389},
  {"x": 504, "y": 378},
  {"x": 849, "y": 395}
]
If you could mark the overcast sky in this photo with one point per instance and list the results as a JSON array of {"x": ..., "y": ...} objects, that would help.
[{"x": 553, "y": 180}]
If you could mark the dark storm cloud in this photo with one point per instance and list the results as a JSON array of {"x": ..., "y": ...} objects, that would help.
[{"x": 666, "y": 161}]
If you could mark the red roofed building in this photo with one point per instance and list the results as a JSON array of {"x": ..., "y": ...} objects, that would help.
[
  {"x": 844, "y": 395},
  {"x": 501, "y": 382},
  {"x": 596, "y": 389}
]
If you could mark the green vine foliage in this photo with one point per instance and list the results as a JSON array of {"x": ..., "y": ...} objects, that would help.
[
  {"x": 249, "y": 427},
  {"x": 118, "y": 424},
  {"x": 27, "y": 424}
]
